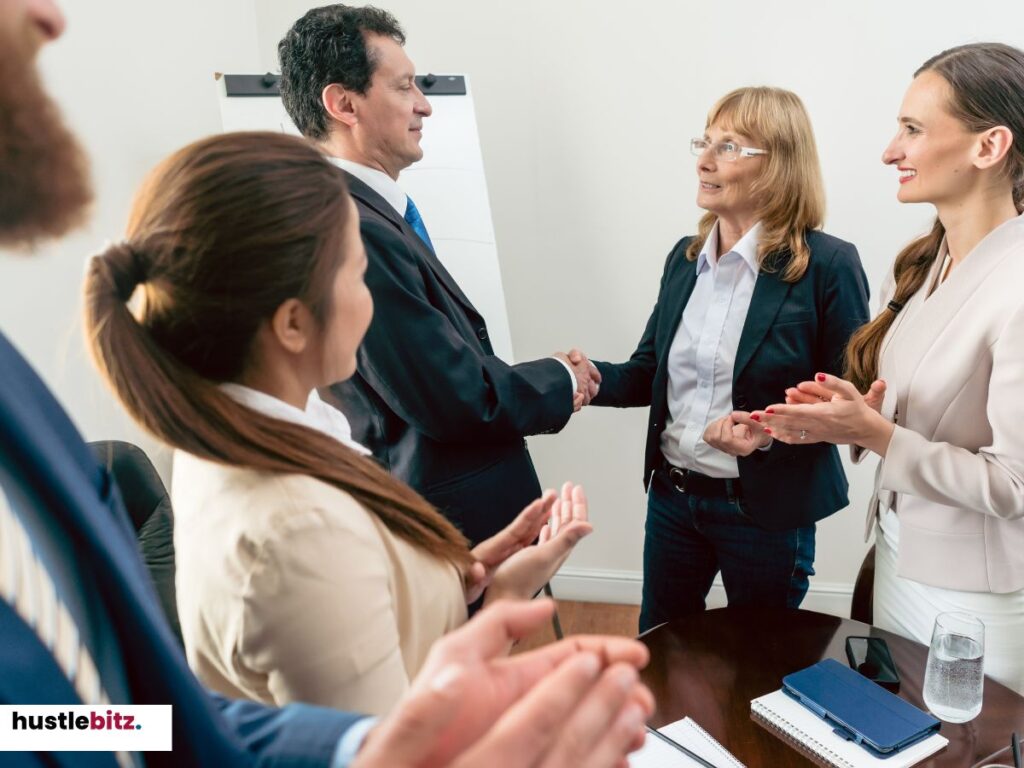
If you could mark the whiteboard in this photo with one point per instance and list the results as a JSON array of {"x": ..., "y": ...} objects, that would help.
[{"x": 449, "y": 188}]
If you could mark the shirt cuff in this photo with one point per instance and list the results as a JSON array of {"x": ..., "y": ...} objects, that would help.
[
  {"x": 568, "y": 368},
  {"x": 351, "y": 741}
]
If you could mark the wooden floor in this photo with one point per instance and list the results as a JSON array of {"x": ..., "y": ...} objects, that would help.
[{"x": 587, "y": 619}]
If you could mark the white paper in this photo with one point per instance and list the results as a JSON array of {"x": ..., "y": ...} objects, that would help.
[{"x": 657, "y": 754}]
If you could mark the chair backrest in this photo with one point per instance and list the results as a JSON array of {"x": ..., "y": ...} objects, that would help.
[
  {"x": 149, "y": 507},
  {"x": 862, "y": 606}
]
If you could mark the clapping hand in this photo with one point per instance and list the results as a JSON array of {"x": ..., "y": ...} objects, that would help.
[
  {"x": 737, "y": 434},
  {"x": 813, "y": 393},
  {"x": 511, "y": 564},
  {"x": 576, "y": 703},
  {"x": 830, "y": 409}
]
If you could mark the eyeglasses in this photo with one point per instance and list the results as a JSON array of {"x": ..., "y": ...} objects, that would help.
[{"x": 729, "y": 151}]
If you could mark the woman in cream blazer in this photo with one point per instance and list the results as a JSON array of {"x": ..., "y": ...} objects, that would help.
[
  {"x": 942, "y": 366},
  {"x": 304, "y": 571}
]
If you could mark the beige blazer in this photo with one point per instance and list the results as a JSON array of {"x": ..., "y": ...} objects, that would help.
[
  {"x": 954, "y": 366},
  {"x": 288, "y": 590}
]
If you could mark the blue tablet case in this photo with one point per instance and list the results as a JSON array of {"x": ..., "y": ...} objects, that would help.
[{"x": 860, "y": 710}]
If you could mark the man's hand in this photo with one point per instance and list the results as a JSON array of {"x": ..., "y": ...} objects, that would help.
[
  {"x": 588, "y": 378},
  {"x": 577, "y": 702}
]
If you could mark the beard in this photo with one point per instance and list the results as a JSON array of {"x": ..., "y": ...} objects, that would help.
[{"x": 44, "y": 179}]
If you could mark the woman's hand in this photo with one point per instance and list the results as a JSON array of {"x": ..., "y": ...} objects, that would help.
[
  {"x": 813, "y": 393},
  {"x": 522, "y": 574},
  {"x": 520, "y": 533},
  {"x": 736, "y": 434},
  {"x": 839, "y": 414}
]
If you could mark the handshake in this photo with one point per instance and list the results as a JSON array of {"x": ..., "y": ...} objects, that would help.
[{"x": 588, "y": 378}]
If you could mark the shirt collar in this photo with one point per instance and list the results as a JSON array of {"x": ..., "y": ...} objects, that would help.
[
  {"x": 318, "y": 414},
  {"x": 746, "y": 248},
  {"x": 376, "y": 180}
]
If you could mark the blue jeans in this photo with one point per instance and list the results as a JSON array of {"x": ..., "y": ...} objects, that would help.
[{"x": 688, "y": 539}]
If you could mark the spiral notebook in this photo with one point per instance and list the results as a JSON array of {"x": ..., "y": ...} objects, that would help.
[
  {"x": 796, "y": 724},
  {"x": 657, "y": 754}
]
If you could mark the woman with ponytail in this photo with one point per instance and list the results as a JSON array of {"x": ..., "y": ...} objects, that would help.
[
  {"x": 942, "y": 365},
  {"x": 304, "y": 571},
  {"x": 758, "y": 297}
]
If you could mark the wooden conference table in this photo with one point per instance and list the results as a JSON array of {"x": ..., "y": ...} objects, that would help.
[{"x": 712, "y": 664}]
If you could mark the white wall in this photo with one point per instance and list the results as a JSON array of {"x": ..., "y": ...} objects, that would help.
[
  {"x": 135, "y": 82},
  {"x": 585, "y": 110}
]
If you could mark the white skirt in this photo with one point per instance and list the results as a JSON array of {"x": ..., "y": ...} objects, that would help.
[{"x": 909, "y": 608}]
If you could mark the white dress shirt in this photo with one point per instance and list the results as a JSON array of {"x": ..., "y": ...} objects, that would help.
[
  {"x": 378, "y": 181},
  {"x": 703, "y": 352},
  {"x": 388, "y": 188},
  {"x": 318, "y": 414}
]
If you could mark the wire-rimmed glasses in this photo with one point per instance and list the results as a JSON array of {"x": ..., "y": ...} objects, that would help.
[{"x": 729, "y": 151}]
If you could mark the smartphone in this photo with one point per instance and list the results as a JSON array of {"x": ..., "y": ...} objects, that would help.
[{"x": 870, "y": 656}]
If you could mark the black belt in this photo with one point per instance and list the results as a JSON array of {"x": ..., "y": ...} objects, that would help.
[{"x": 688, "y": 481}]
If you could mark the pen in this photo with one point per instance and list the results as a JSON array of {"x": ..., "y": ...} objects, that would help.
[
  {"x": 689, "y": 753},
  {"x": 1015, "y": 746}
]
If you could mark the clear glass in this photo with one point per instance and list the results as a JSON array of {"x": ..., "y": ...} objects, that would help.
[
  {"x": 1001, "y": 759},
  {"x": 724, "y": 150},
  {"x": 954, "y": 678}
]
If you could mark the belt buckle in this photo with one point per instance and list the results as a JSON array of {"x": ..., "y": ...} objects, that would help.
[{"x": 677, "y": 477}]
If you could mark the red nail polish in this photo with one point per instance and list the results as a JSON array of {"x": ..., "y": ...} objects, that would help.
[
  {"x": 820, "y": 377},
  {"x": 767, "y": 431},
  {"x": 754, "y": 417},
  {"x": 768, "y": 410}
]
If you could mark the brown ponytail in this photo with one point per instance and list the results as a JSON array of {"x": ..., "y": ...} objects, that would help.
[
  {"x": 987, "y": 85},
  {"x": 910, "y": 270},
  {"x": 221, "y": 234}
]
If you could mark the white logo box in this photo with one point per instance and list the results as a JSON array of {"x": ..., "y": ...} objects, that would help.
[{"x": 86, "y": 728}]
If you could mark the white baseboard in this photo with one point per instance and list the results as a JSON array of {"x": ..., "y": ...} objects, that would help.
[{"x": 595, "y": 585}]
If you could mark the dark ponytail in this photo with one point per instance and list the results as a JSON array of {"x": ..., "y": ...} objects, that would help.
[{"x": 222, "y": 233}]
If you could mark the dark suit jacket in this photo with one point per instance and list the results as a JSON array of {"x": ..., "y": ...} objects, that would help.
[
  {"x": 792, "y": 331},
  {"x": 430, "y": 399},
  {"x": 55, "y": 485}
]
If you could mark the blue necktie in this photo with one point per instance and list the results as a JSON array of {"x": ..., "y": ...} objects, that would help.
[{"x": 413, "y": 218}]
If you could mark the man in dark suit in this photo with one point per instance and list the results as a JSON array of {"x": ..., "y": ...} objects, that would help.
[
  {"x": 80, "y": 622},
  {"x": 430, "y": 398}
]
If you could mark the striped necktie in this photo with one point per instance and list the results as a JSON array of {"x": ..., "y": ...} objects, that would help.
[
  {"x": 26, "y": 585},
  {"x": 413, "y": 218}
]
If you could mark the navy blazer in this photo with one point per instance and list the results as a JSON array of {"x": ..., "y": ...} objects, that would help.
[
  {"x": 430, "y": 399},
  {"x": 49, "y": 475},
  {"x": 792, "y": 331}
]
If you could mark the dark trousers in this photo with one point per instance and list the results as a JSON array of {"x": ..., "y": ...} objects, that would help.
[{"x": 689, "y": 539}]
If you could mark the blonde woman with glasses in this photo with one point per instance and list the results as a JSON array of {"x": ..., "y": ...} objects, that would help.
[{"x": 758, "y": 296}]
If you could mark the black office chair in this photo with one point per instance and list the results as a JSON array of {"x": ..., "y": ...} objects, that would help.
[
  {"x": 862, "y": 606},
  {"x": 149, "y": 507}
]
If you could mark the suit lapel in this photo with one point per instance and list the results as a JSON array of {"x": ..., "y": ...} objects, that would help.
[
  {"x": 371, "y": 199},
  {"x": 770, "y": 291},
  {"x": 925, "y": 317},
  {"x": 677, "y": 293}
]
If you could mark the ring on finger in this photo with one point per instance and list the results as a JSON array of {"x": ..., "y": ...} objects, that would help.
[{"x": 803, "y": 434}]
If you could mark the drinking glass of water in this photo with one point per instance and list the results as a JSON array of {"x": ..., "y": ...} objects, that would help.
[{"x": 953, "y": 679}]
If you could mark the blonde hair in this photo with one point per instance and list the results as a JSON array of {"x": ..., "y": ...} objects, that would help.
[{"x": 790, "y": 187}]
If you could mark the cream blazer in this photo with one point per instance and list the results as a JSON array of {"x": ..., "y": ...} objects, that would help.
[
  {"x": 954, "y": 471},
  {"x": 288, "y": 590}
]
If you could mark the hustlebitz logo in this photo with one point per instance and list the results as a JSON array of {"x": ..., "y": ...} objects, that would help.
[{"x": 70, "y": 721}]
